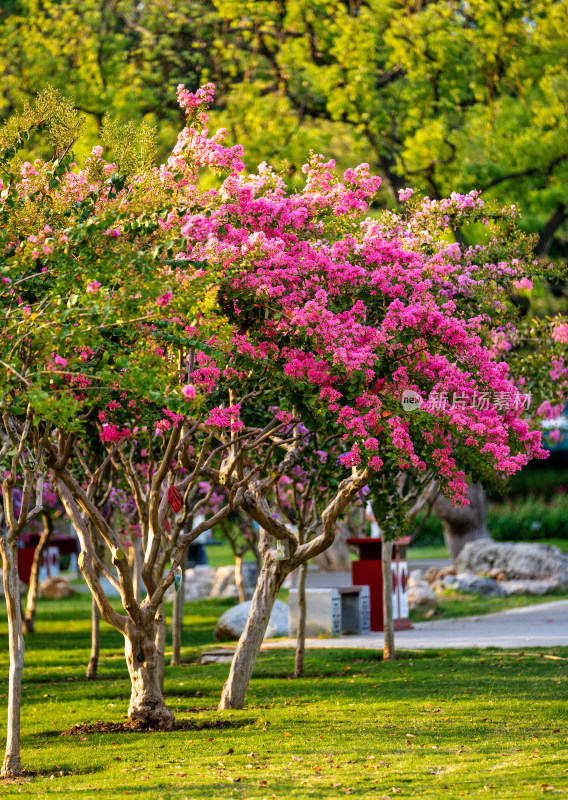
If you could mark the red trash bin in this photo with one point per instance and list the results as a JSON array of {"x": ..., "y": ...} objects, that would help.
[{"x": 368, "y": 571}]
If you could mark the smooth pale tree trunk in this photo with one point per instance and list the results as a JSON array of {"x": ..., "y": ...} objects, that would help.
[
  {"x": 46, "y": 534},
  {"x": 269, "y": 581},
  {"x": 463, "y": 524},
  {"x": 239, "y": 578},
  {"x": 301, "y": 635},
  {"x": 177, "y": 623},
  {"x": 12, "y": 765},
  {"x": 388, "y": 623},
  {"x": 147, "y": 706},
  {"x": 136, "y": 558},
  {"x": 161, "y": 642},
  {"x": 93, "y": 664}
]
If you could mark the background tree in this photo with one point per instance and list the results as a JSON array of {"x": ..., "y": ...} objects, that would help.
[
  {"x": 444, "y": 95},
  {"x": 51, "y": 511},
  {"x": 23, "y": 479}
]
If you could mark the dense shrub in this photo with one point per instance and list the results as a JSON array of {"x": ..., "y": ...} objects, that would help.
[{"x": 531, "y": 518}]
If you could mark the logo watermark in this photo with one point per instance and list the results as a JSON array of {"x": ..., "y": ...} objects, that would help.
[
  {"x": 438, "y": 401},
  {"x": 411, "y": 400}
]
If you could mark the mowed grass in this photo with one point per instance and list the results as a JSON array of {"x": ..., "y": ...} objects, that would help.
[
  {"x": 448, "y": 724},
  {"x": 220, "y": 554}
]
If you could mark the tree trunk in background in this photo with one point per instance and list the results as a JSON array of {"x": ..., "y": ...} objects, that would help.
[
  {"x": 388, "y": 624},
  {"x": 161, "y": 642},
  {"x": 177, "y": 623},
  {"x": 93, "y": 665},
  {"x": 239, "y": 578},
  {"x": 301, "y": 635},
  {"x": 12, "y": 765},
  {"x": 46, "y": 534},
  {"x": 336, "y": 557},
  {"x": 465, "y": 523},
  {"x": 147, "y": 707},
  {"x": 248, "y": 648}
]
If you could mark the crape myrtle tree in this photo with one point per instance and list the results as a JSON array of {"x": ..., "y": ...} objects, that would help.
[
  {"x": 111, "y": 321},
  {"x": 22, "y": 502},
  {"x": 51, "y": 512},
  {"x": 301, "y": 496},
  {"x": 243, "y": 538},
  {"x": 347, "y": 314},
  {"x": 396, "y": 496},
  {"x": 23, "y": 444},
  {"x": 334, "y": 315},
  {"x": 92, "y": 326},
  {"x": 532, "y": 347}
]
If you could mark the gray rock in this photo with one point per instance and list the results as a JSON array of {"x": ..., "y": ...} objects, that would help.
[
  {"x": 198, "y": 582},
  {"x": 204, "y": 581},
  {"x": 435, "y": 574},
  {"x": 221, "y": 656},
  {"x": 225, "y": 584},
  {"x": 473, "y": 584},
  {"x": 420, "y": 593},
  {"x": 514, "y": 561},
  {"x": 232, "y": 623},
  {"x": 528, "y": 587},
  {"x": 55, "y": 588}
]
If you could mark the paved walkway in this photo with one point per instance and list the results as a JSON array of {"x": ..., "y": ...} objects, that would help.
[{"x": 544, "y": 625}]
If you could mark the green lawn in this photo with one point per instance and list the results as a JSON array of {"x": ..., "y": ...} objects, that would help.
[
  {"x": 220, "y": 553},
  {"x": 448, "y": 724}
]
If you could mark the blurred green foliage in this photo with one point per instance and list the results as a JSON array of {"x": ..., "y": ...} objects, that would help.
[
  {"x": 443, "y": 94},
  {"x": 533, "y": 518}
]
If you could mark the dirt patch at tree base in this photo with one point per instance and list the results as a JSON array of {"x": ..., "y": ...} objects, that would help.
[
  {"x": 25, "y": 777},
  {"x": 137, "y": 727}
]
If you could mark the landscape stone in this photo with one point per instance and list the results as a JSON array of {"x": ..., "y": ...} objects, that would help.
[
  {"x": 225, "y": 584},
  {"x": 420, "y": 593},
  {"x": 198, "y": 582},
  {"x": 203, "y": 582},
  {"x": 532, "y": 587},
  {"x": 232, "y": 623},
  {"x": 514, "y": 561},
  {"x": 55, "y": 588},
  {"x": 473, "y": 584},
  {"x": 435, "y": 574}
]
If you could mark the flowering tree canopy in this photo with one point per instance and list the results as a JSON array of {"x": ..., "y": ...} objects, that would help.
[{"x": 191, "y": 316}]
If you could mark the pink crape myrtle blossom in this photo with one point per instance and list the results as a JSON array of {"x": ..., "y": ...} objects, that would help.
[
  {"x": 370, "y": 307},
  {"x": 188, "y": 391}
]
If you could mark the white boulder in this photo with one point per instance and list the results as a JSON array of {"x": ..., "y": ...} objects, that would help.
[
  {"x": 420, "y": 593},
  {"x": 528, "y": 586},
  {"x": 198, "y": 582},
  {"x": 514, "y": 561},
  {"x": 232, "y": 623}
]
